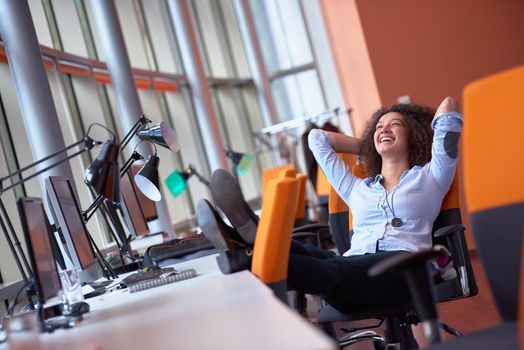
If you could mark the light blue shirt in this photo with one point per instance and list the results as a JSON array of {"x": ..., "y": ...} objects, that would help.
[{"x": 416, "y": 200}]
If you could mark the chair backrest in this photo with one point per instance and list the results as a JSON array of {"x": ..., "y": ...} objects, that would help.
[
  {"x": 300, "y": 215},
  {"x": 340, "y": 223},
  {"x": 450, "y": 214},
  {"x": 273, "y": 238},
  {"x": 494, "y": 120},
  {"x": 271, "y": 173}
]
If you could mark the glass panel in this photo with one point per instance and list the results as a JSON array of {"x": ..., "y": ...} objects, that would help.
[
  {"x": 162, "y": 40},
  {"x": 238, "y": 137},
  {"x": 69, "y": 28},
  {"x": 39, "y": 19},
  {"x": 213, "y": 39},
  {"x": 16, "y": 124},
  {"x": 235, "y": 39},
  {"x": 298, "y": 95},
  {"x": 7, "y": 262},
  {"x": 282, "y": 34},
  {"x": 191, "y": 148},
  {"x": 133, "y": 35}
]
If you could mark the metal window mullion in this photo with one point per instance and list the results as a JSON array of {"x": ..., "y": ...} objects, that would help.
[
  {"x": 6, "y": 138},
  {"x": 51, "y": 23},
  {"x": 146, "y": 35},
  {"x": 86, "y": 29},
  {"x": 291, "y": 71},
  {"x": 312, "y": 48},
  {"x": 227, "y": 48},
  {"x": 256, "y": 62}
]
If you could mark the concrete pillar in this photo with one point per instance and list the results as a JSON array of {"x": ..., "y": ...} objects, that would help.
[
  {"x": 112, "y": 41},
  {"x": 32, "y": 86}
]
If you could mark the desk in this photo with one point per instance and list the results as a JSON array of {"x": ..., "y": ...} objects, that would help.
[{"x": 211, "y": 311}]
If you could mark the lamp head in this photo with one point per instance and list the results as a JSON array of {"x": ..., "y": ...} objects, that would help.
[
  {"x": 241, "y": 161},
  {"x": 176, "y": 182},
  {"x": 147, "y": 179},
  {"x": 103, "y": 175},
  {"x": 161, "y": 134}
]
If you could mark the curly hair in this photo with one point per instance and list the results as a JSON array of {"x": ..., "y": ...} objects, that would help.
[{"x": 418, "y": 119}]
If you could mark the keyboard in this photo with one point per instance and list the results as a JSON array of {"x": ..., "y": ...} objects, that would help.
[{"x": 142, "y": 276}]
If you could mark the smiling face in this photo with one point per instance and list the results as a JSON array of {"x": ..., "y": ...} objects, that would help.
[{"x": 392, "y": 135}]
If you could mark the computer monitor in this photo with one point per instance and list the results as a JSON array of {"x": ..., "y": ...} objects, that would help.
[
  {"x": 68, "y": 219},
  {"x": 133, "y": 214},
  {"x": 38, "y": 239},
  {"x": 138, "y": 210}
]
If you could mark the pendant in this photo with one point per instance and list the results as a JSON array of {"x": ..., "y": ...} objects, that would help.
[{"x": 396, "y": 222}]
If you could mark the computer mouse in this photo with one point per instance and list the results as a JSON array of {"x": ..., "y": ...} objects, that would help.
[{"x": 78, "y": 309}]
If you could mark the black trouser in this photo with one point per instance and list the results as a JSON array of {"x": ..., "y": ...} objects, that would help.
[{"x": 343, "y": 281}]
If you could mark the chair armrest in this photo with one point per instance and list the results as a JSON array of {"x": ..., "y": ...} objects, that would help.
[
  {"x": 420, "y": 288},
  {"x": 455, "y": 236},
  {"x": 449, "y": 229},
  {"x": 407, "y": 260},
  {"x": 310, "y": 228}
]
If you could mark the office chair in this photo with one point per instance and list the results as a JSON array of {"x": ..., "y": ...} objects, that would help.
[
  {"x": 273, "y": 238},
  {"x": 300, "y": 214},
  {"x": 272, "y": 173},
  {"x": 447, "y": 232},
  {"x": 493, "y": 111}
]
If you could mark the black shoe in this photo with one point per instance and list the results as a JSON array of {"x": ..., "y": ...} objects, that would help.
[
  {"x": 234, "y": 255},
  {"x": 228, "y": 197}
]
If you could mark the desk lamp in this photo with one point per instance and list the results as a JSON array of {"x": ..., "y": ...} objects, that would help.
[
  {"x": 161, "y": 134},
  {"x": 241, "y": 161},
  {"x": 177, "y": 181}
]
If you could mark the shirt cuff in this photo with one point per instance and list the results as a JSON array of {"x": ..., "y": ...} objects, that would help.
[{"x": 445, "y": 119}]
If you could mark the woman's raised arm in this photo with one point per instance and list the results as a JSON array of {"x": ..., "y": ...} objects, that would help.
[
  {"x": 448, "y": 105},
  {"x": 344, "y": 143}
]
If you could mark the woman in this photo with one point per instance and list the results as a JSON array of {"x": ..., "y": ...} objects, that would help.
[
  {"x": 393, "y": 209},
  {"x": 410, "y": 171}
]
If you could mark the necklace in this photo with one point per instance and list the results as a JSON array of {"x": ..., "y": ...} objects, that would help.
[{"x": 396, "y": 222}]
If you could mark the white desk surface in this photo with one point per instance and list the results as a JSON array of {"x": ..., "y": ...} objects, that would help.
[{"x": 211, "y": 311}]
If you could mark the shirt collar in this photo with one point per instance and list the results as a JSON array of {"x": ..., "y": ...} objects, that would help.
[{"x": 373, "y": 181}]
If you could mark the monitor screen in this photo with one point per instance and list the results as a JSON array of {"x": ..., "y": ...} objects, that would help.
[
  {"x": 135, "y": 218},
  {"x": 68, "y": 219},
  {"x": 38, "y": 240},
  {"x": 147, "y": 205}
]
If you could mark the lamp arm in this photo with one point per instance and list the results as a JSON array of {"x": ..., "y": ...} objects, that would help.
[
  {"x": 199, "y": 177},
  {"x": 134, "y": 157},
  {"x": 89, "y": 143},
  {"x": 16, "y": 243},
  {"x": 140, "y": 124},
  {"x": 40, "y": 171},
  {"x": 88, "y": 213}
]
